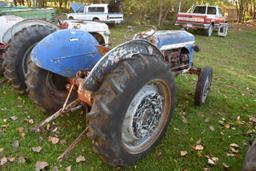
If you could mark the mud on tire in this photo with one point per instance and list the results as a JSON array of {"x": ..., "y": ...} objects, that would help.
[
  {"x": 18, "y": 51},
  {"x": 114, "y": 102},
  {"x": 46, "y": 89}
]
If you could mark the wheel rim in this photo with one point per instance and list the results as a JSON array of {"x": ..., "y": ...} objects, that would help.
[
  {"x": 56, "y": 84},
  {"x": 146, "y": 117},
  {"x": 206, "y": 89}
]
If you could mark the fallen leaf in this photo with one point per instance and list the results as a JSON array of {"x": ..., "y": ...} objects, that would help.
[
  {"x": 14, "y": 118},
  {"x": 231, "y": 155},
  {"x": 234, "y": 145},
  {"x": 234, "y": 150},
  {"x": 198, "y": 147},
  {"x": 80, "y": 159},
  {"x": 211, "y": 128},
  {"x": 227, "y": 126},
  {"x": 20, "y": 130},
  {"x": 68, "y": 168},
  {"x": 11, "y": 159},
  {"x": 15, "y": 144},
  {"x": 21, "y": 160},
  {"x": 253, "y": 119},
  {"x": 213, "y": 160},
  {"x": 37, "y": 149},
  {"x": 40, "y": 165},
  {"x": 3, "y": 161},
  {"x": 199, "y": 141},
  {"x": 225, "y": 165},
  {"x": 238, "y": 121},
  {"x": 184, "y": 120},
  {"x": 183, "y": 153},
  {"x": 30, "y": 121},
  {"x": 53, "y": 140}
]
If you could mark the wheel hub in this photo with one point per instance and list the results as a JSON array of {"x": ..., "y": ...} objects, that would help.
[{"x": 146, "y": 116}]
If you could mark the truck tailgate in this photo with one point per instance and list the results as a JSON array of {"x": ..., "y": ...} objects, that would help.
[
  {"x": 190, "y": 17},
  {"x": 115, "y": 16}
]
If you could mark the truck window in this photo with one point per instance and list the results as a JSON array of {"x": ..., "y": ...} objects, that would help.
[
  {"x": 200, "y": 10},
  {"x": 80, "y": 10},
  {"x": 114, "y": 7},
  {"x": 211, "y": 11},
  {"x": 220, "y": 12},
  {"x": 96, "y": 9}
]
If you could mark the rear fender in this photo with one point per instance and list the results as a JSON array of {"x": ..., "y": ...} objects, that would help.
[
  {"x": 110, "y": 60},
  {"x": 23, "y": 24},
  {"x": 65, "y": 52}
]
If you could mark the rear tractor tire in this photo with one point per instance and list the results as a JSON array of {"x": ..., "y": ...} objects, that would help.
[
  {"x": 46, "y": 89},
  {"x": 132, "y": 109},
  {"x": 203, "y": 86},
  {"x": 18, "y": 53},
  {"x": 1, "y": 63}
]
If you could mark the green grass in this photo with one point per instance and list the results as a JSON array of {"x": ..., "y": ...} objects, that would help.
[{"x": 233, "y": 94}]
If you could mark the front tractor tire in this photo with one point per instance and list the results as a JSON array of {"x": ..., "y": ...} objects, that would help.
[
  {"x": 210, "y": 30},
  {"x": 132, "y": 109},
  {"x": 46, "y": 89},
  {"x": 18, "y": 53},
  {"x": 203, "y": 86}
]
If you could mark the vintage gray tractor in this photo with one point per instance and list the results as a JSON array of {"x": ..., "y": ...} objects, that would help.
[
  {"x": 128, "y": 92},
  {"x": 18, "y": 36}
]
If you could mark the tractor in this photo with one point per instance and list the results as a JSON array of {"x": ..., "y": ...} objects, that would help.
[
  {"x": 18, "y": 36},
  {"x": 128, "y": 92}
]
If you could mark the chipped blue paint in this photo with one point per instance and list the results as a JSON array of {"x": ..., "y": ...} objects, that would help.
[{"x": 66, "y": 51}]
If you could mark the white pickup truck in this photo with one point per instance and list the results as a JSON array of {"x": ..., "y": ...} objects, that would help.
[{"x": 96, "y": 12}]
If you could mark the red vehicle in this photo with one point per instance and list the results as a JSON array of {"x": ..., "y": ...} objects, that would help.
[{"x": 204, "y": 17}]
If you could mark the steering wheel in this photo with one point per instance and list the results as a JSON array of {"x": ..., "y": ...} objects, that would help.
[
  {"x": 146, "y": 34},
  {"x": 142, "y": 35}
]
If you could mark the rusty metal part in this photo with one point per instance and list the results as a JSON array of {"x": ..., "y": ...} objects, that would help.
[
  {"x": 73, "y": 145},
  {"x": 66, "y": 101},
  {"x": 73, "y": 105},
  {"x": 103, "y": 49},
  {"x": 196, "y": 71},
  {"x": 83, "y": 94}
]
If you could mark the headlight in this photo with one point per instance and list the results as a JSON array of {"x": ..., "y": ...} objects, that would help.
[{"x": 77, "y": 26}]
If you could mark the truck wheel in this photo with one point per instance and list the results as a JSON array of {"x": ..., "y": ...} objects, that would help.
[
  {"x": 70, "y": 18},
  {"x": 18, "y": 52},
  {"x": 209, "y": 31},
  {"x": 203, "y": 86},
  {"x": 132, "y": 110},
  {"x": 46, "y": 89},
  {"x": 96, "y": 20}
]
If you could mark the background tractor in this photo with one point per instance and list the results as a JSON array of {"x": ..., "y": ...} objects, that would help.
[{"x": 18, "y": 36}]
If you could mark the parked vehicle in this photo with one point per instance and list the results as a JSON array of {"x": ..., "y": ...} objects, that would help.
[
  {"x": 99, "y": 30},
  {"x": 208, "y": 18},
  {"x": 47, "y": 14},
  {"x": 18, "y": 37},
  {"x": 129, "y": 91},
  {"x": 96, "y": 12}
]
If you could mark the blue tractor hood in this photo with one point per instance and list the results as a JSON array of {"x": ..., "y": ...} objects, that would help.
[
  {"x": 66, "y": 51},
  {"x": 174, "y": 39}
]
